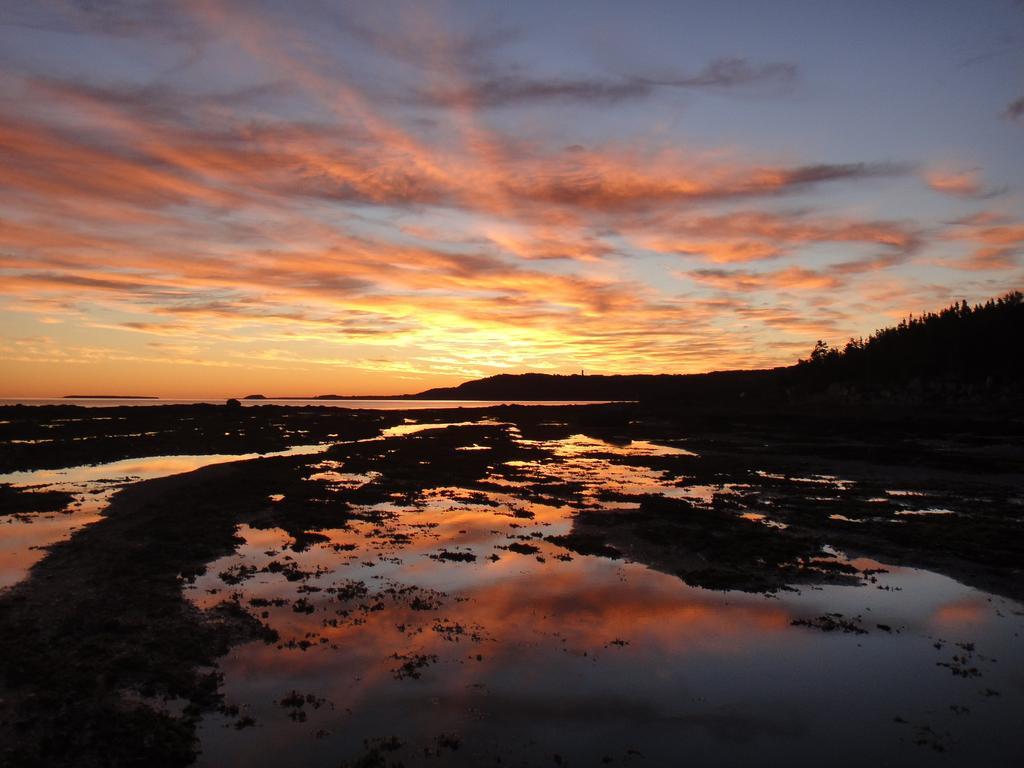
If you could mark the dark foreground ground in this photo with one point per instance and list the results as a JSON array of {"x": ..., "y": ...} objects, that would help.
[{"x": 104, "y": 659}]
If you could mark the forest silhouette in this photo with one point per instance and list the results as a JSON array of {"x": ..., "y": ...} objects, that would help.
[
  {"x": 960, "y": 343},
  {"x": 960, "y": 352}
]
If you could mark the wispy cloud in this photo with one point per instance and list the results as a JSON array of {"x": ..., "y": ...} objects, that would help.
[
  {"x": 751, "y": 235},
  {"x": 791, "y": 278},
  {"x": 996, "y": 241},
  {"x": 512, "y": 90},
  {"x": 1015, "y": 109},
  {"x": 733, "y": 72},
  {"x": 965, "y": 183},
  {"x": 516, "y": 89},
  {"x": 288, "y": 210}
]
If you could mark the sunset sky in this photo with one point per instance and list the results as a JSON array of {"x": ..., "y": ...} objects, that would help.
[{"x": 203, "y": 198}]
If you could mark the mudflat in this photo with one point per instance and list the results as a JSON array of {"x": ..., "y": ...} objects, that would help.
[{"x": 608, "y": 584}]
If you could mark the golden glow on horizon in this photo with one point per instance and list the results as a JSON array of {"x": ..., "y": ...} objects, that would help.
[{"x": 294, "y": 229}]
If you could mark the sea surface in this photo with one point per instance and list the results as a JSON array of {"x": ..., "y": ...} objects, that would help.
[{"x": 374, "y": 405}]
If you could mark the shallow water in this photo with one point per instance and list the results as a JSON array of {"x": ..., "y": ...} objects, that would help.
[
  {"x": 454, "y": 626},
  {"x": 24, "y": 538},
  {"x": 451, "y": 630}
]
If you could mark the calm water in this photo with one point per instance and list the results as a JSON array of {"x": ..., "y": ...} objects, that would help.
[
  {"x": 450, "y": 631},
  {"x": 373, "y": 405},
  {"x": 530, "y": 652},
  {"x": 23, "y": 538}
]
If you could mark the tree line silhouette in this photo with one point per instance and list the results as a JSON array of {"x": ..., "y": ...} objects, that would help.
[
  {"x": 959, "y": 352},
  {"x": 959, "y": 344}
]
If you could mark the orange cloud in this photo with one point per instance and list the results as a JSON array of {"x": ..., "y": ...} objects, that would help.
[
  {"x": 997, "y": 242},
  {"x": 791, "y": 278},
  {"x": 311, "y": 218},
  {"x": 961, "y": 183}
]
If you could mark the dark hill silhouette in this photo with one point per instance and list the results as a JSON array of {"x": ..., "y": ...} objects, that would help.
[
  {"x": 544, "y": 386},
  {"x": 958, "y": 352}
]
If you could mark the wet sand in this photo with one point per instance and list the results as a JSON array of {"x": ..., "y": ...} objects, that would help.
[{"x": 515, "y": 585}]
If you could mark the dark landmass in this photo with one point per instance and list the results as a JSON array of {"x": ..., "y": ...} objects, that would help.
[
  {"x": 699, "y": 388},
  {"x": 959, "y": 353},
  {"x": 54, "y": 436},
  {"x": 30, "y": 500},
  {"x": 538, "y": 387},
  {"x": 957, "y": 344}
]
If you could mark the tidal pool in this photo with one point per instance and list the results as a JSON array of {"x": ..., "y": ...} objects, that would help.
[
  {"x": 470, "y": 626},
  {"x": 503, "y": 592},
  {"x": 24, "y": 538}
]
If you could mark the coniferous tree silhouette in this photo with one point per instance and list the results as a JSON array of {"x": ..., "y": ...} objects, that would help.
[{"x": 959, "y": 344}]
